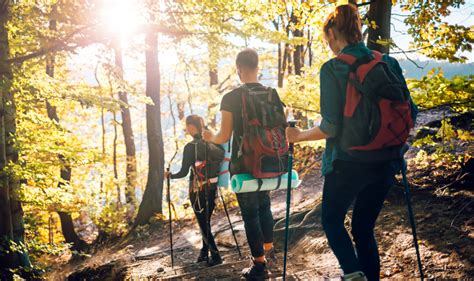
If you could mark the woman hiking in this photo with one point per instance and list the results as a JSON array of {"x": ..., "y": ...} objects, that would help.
[
  {"x": 361, "y": 174},
  {"x": 196, "y": 156}
]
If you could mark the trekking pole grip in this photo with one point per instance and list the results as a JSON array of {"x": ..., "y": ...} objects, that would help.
[{"x": 292, "y": 124}]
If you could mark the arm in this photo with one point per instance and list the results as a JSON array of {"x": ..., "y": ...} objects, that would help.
[
  {"x": 331, "y": 111},
  {"x": 188, "y": 160},
  {"x": 296, "y": 135},
  {"x": 225, "y": 131}
]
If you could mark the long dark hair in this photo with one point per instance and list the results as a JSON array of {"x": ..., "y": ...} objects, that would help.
[
  {"x": 195, "y": 120},
  {"x": 345, "y": 20}
]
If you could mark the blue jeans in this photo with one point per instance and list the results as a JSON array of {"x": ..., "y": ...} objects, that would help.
[
  {"x": 258, "y": 219},
  {"x": 366, "y": 185}
]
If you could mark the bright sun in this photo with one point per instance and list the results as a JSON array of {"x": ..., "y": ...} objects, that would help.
[{"x": 120, "y": 17}]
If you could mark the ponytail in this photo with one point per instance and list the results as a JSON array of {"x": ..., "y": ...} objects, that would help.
[{"x": 345, "y": 21}]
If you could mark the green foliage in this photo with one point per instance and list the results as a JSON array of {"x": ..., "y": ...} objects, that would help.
[
  {"x": 434, "y": 37},
  {"x": 434, "y": 90},
  {"x": 441, "y": 149},
  {"x": 112, "y": 219}
]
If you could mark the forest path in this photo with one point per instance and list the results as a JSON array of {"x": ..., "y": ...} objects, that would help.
[
  {"x": 443, "y": 206},
  {"x": 445, "y": 229},
  {"x": 155, "y": 261},
  {"x": 445, "y": 235}
]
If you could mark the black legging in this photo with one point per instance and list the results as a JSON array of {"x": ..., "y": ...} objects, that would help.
[
  {"x": 198, "y": 201},
  {"x": 367, "y": 184}
]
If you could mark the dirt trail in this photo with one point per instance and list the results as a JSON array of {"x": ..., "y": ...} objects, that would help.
[
  {"x": 445, "y": 225},
  {"x": 443, "y": 206}
]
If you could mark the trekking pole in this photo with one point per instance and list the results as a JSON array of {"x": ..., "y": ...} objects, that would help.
[
  {"x": 168, "y": 198},
  {"x": 230, "y": 224},
  {"x": 411, "y": 217},
  {"x": 288, "y": 201},
  {"x": 208, "y": 224}
]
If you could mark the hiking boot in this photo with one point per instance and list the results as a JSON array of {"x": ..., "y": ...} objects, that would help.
[
  {"x": 214, "y": 260},
  {"x": 355, "y": 276},
  {"x": 203, "y": 256},
  {"x": 271, "y": 258},
  {"x": 258, "y": 271}
]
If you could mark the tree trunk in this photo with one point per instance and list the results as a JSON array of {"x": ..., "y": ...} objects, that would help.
[
  {"x": 153, "y": 195},
  {"x": 284, "y": 63},
  {"x": 298, "y": 53},
  {"x": 213, "y": 80},
  {"x": 67, "y": 226},
  {"x": 102, "y": 124},
  {"x": 380, "y": 12},
  {"x": 280, "y": 72},
  {"x": 180, "y": 106},
  {"x": 11, "y": 223},
  {"x": 310, "y": 49},
  {"x": 131, "y": 170},
  {"x": 65, "y": 218},
  {"x": 290, "y": 62},
  {"x": 114, "y": 160}
]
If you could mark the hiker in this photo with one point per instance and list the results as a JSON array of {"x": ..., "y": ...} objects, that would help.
[
  {"x": 255, "y": 206},
  {"x": 359, "y": 174},
  {"x": 194, "y": 158}
]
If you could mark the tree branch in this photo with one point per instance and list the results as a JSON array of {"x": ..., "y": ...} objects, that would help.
[
  {"x": 59, "y": 45},
  {"x": 64, "y": 45},
  {"x": 408, "y": 58}
]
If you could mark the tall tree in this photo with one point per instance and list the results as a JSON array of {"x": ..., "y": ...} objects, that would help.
[
  {"x": 153, "y": 195},
  {"x": 131, "y": 168},
  {"x": 67, "y": 225},
  {"x": 11, "y": 212}
]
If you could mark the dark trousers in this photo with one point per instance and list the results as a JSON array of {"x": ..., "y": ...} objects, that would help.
[
  {"x": 198, "y": 201},
  {"x": 366, "y": 185},
  {"x": 258, "y": 219}
]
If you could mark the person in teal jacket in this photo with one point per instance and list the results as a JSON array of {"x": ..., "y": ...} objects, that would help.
[{"x": 348, "y": 180}]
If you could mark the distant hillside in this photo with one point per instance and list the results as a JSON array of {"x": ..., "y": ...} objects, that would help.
[{"x": 449, "y": 69}]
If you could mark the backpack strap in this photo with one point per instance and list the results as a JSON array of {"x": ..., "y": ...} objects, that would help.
[
  {"x": 270, "y": 94},
  {"x": 245, "y": 119},
  {"x": 364, "y": 68},
  {"x": 359, "y": 68},
  {"x": 346, "y": 58}
]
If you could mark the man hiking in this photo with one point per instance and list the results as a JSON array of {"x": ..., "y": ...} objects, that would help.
[
  {"x": 366, "y": 114},
  {"x": 194, "y": 157},
  {"x": 237, "y": 108}
]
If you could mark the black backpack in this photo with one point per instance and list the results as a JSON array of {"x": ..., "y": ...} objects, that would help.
[
  {"x": 215, "y": 156},
  {"x": 377, "y": 111},
  {"x": 263, "y": 148}
]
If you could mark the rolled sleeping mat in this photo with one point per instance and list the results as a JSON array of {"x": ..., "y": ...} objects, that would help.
[
  {"x": 242, "y": 183},
  {"x": 224, "y": 175}
]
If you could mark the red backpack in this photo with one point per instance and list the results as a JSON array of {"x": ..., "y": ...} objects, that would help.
[
  {"x": 263, "y": 149},
  {"x": 377, "y": 112}
]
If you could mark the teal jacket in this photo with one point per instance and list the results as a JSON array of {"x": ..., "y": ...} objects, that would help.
[{"x": 333, "y": 74}]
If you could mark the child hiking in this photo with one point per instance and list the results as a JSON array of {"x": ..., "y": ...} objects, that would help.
[
  {"x": 253, "y": 114},
  {"x": 199, "y": 156},
  {"x": 366, "y": 113}
]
